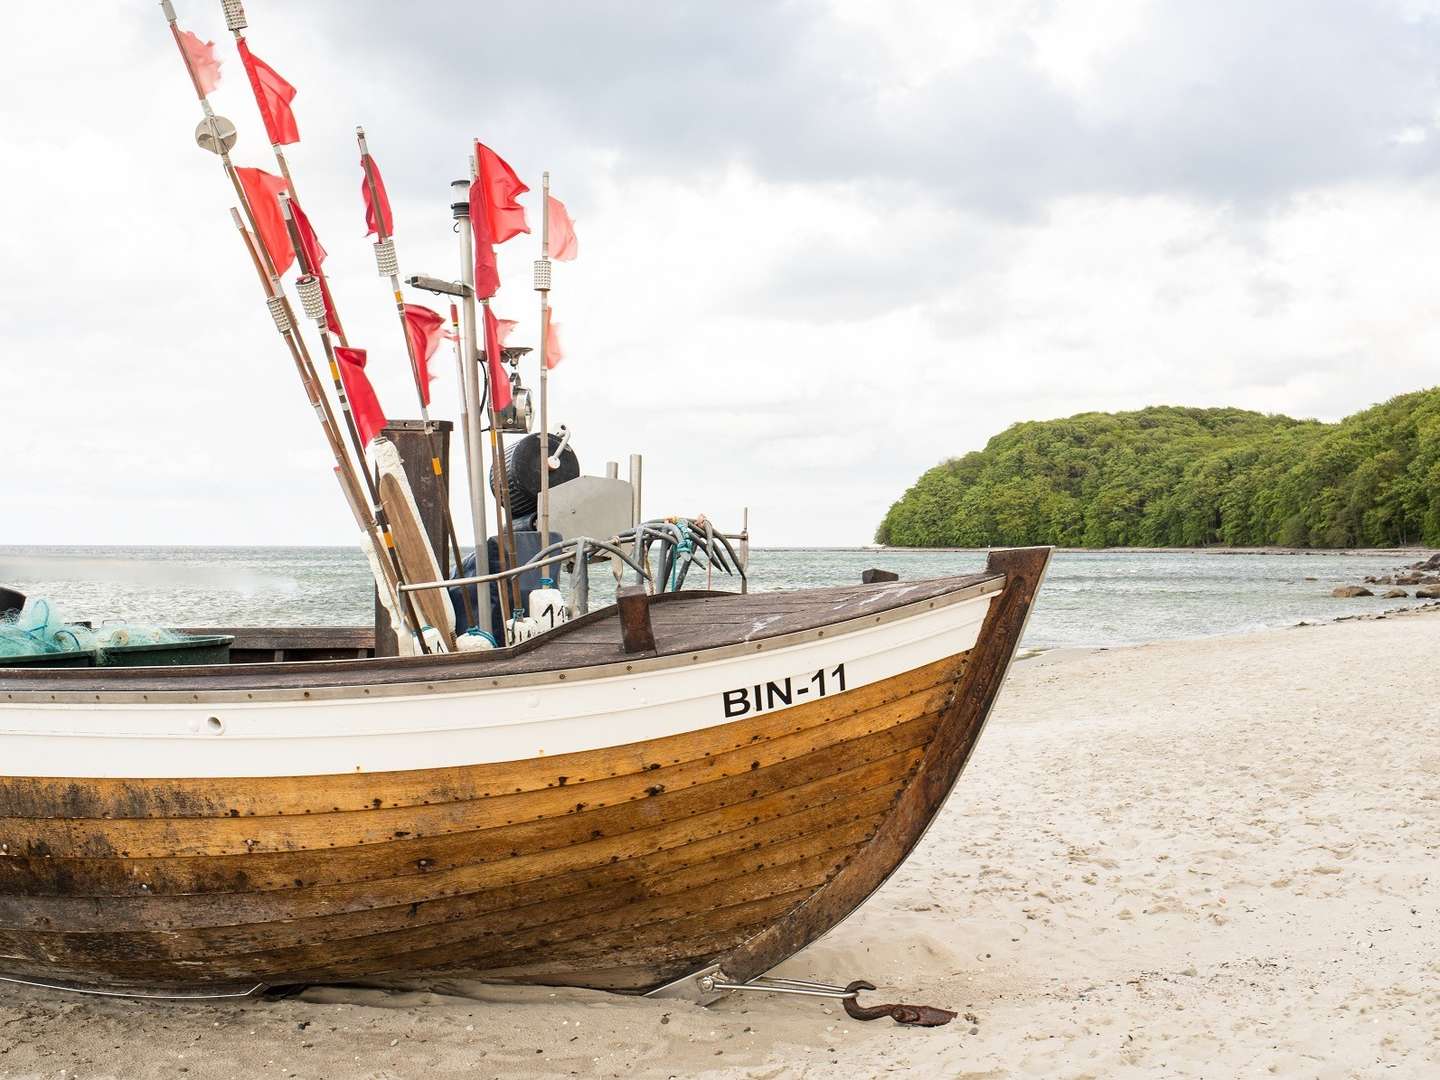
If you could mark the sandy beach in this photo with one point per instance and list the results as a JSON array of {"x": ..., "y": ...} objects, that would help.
[{"x": 1212, "y": 858}]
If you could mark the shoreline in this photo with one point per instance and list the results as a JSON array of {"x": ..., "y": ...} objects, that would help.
[
  {"x": 1431, "y": 607},
  {"x": 1367, "y": 552}
]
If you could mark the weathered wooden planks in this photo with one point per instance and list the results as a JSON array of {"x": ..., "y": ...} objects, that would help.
[{"x": 516, "y": 890}]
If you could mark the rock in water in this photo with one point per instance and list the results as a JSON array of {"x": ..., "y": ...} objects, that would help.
[
  {"x": 1395, "y": 594},
  {"x": 1430, "y": 592},
  {"x": 1347, "y": 591},
  {"x": 872, "y": 576}
]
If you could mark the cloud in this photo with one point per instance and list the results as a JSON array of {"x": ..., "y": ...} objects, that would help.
[{"x": 824, "y": 244}]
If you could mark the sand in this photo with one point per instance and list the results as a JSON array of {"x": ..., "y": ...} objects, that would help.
[{"x": 1214, "y": 858}]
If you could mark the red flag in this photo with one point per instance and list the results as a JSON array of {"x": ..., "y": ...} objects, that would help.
[
  {"x": 386, "y": 224},
  {"x": 261, "y": 189},
  {"x": 364, "y": 405},
  {"x": 503, "y": 327},
  {"x": 316, "y": 255},
  {"x": 500, "y": 188},
  {"x": 563, "y": 245},
  {"x": 553, "y": 352},
  {"x": 499, "y": 380},
  {"x": 487, "y": 274},
  {"x": 423, "y": 330},
  {"x": 201, "y": 57},
  {"x": 273, "y": 94}
]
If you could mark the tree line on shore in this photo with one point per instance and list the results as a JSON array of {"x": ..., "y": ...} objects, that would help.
[{"x": 1167, "y": 476}]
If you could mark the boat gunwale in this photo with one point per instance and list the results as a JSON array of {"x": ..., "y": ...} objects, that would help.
[{"x": 440, "y": 681}]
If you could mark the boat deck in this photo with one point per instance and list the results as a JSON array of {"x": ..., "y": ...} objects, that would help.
[{"x": 683, "y": 622}]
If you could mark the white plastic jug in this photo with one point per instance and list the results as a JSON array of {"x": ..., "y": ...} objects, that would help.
[
  {"x": 521, "y": 628},
  {"x": 434, "y": 643},
  {"x": 547, "y": 606},
  {"x": 474, "y": 641}
]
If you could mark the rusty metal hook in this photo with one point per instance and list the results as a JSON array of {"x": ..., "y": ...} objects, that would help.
[{"x": 914, "y": 1015}]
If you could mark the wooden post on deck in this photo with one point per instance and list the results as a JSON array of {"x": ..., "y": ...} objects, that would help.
[
  {"x": 635, "y": 631},
  {"x": 415, "y": 447}
]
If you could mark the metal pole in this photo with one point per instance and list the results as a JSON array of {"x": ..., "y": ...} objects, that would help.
[
  {"x": 470, "y": 383},
  {"x": 636, "y": 464},
  {"x": 542, "y": 285},
  {"x": 504, "y": 534},
  {"x": 744, "y": 559}
]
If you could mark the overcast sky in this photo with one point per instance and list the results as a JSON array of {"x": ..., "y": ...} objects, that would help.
[{"x": 823, "y": 245}]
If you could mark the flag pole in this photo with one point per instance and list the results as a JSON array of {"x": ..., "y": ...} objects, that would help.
[
  {"x": 504, "y": 531},
  {"x": 388, "y": 266},
  {"x": 471, "y": 389},
  {"x": 236, "y": 22},
  {"x": 312, "y": 299},
  {"x": 284, "y": 322},
  {"x": 542, "y": 285},
  {"x": 218, "y": 135},
  {"x": 465, "y": 433}
]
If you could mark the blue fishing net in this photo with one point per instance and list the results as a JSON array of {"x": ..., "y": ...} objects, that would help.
[{"x": 39, "y": 630}]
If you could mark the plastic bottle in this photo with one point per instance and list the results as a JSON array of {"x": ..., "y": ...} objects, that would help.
[
  {"x": 547, "y": 606},
  {"x": 521, "y": 628},
  {"x": 474, "y": 641},
  {"x": 434, "y": 643}
]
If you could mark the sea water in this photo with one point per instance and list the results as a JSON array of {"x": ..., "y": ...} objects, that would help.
[{"x": 1089, "y": 598}]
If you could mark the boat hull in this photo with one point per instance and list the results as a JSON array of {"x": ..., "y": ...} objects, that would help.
[{"x": 608, "y": 864}]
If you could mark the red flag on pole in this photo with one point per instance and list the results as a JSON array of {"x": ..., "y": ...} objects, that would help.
[
  {"x": 202, "y": 60},
  {"x": 423, "y": 330},
  {"x": 261, "y": 189},
  {"x": 553, "y": 353},
  {"x": 563, "y": 245},
  {"x": 364, "y": 405},
  {"x": 316, "y": 255},
  {"x": 500, "y": 188},
  {"x": 499, "y": 380},
  {"x": 273, "y": 94},
  {"x": 487, "y": 274},
  {"x": 386, "y": 222}
]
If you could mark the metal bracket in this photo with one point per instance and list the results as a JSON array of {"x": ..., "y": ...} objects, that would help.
[{"x": 439, "y": 285}]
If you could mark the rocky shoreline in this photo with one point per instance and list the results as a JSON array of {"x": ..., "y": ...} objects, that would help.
[{"x": 1425, "y": 574}]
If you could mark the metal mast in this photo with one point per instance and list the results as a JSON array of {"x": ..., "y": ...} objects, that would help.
[
  {"x": 474, "y": 443},
  {"x": 542, "y": 285}
]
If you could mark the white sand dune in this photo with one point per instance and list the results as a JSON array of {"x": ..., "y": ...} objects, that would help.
[{"x": 1214, "y": 858}]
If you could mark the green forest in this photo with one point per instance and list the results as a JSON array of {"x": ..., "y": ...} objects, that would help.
[{"x": 1177, "y": 477}]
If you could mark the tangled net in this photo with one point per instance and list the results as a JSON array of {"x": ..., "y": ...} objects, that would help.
[{"x": 37, "y": 631}]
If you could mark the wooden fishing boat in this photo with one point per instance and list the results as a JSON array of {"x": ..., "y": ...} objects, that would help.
[{"x": 557, "y": 812}]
